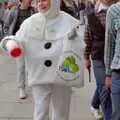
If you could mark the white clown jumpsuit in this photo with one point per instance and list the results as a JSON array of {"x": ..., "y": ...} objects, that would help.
[{"x": 41, "y": 37}]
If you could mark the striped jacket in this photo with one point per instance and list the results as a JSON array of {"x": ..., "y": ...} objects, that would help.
[
  {"x": 112, "y": 39},
  {"x": 94, "y": 42}
]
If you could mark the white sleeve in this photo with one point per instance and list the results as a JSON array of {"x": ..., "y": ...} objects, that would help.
[{"x": 19, "y": 38}]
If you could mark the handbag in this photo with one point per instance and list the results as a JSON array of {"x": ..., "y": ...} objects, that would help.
[{"x": 71, "y": 67}]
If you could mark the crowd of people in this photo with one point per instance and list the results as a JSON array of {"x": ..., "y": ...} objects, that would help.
[{"x": 40, "y": 28}]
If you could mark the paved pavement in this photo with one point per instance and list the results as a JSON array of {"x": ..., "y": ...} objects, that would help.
[{"x": 11, "y": 108}]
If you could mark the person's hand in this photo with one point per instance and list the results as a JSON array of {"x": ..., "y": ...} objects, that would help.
[
  {"x": 108, "y": 82},
  {"x": 88, "y": 64}
]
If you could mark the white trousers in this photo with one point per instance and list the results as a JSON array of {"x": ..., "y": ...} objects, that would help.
[{"x": 60, "y": 96}]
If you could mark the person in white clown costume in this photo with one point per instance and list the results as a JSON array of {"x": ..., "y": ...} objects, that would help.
[{"x": 53, "y": 54}]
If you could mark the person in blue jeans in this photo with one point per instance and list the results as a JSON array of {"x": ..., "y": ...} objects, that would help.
[
  {"x": 94, "y": 50},
  {"x": 112, "y": 56},
  {"x": 101, "y": 95}
]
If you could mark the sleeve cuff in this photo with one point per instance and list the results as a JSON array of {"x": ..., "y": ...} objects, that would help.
[{"x": 108, "y": 73}]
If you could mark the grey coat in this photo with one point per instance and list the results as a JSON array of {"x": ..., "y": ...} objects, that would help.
[{"x": 11, "y": 19}]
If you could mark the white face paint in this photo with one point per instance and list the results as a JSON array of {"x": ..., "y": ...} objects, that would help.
[{"x": 49, "y": 8}]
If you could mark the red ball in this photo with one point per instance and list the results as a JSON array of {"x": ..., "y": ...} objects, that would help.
[{"x": 16, "y": 52}]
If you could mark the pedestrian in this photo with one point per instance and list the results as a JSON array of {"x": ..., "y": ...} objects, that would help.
[
  {"x": 11, "y": 25},
  {"x": 112, "y": 56},
  {"x": 70, "y": 7},
  {"x": 94, "y": 50},
  {"x": 96, "y": 4},
  {"x": 1, "y": 10},
  {"x": 76, "y": 9},
  {"x": 81, "y": 6},
  {"x": 1, "y": 21},
  {"x": 52, "y": 51},
  {"x": 8, "y": 5}
]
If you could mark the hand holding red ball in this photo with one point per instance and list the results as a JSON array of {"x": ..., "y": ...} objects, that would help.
[{"x": 13, "y": 48}]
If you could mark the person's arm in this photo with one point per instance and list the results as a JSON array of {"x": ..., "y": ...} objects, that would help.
[
  {"x": 110, "y": 36},
  {"x": 10, "y": 21},
  {"x": 88, "y": 38},
  {"x": 8, "y": 18},
  {"x": 18, "y": 38}
]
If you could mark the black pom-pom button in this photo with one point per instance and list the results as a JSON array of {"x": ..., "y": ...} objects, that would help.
[
  {"x": 48, "y": 45},
  {"x": 48, "y": 63}
]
